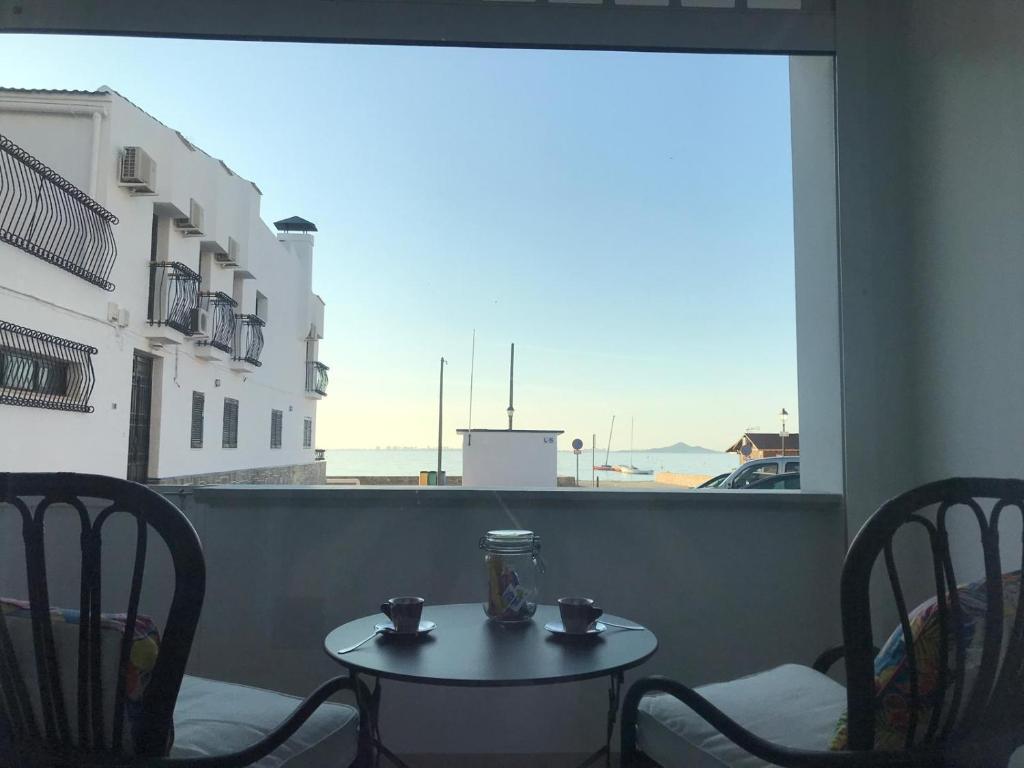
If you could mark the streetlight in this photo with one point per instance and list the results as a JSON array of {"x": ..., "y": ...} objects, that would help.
[
  {"x": 783, "y": 414},
  {"x": 510, "y": 411}
]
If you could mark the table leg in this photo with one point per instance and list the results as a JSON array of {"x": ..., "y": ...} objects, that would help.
[
  {"x": 614, "y": 691},
  {"x": 370, "y": 746}
]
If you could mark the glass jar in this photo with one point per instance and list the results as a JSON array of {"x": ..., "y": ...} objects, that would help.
[{"x": 513, "y": 574}]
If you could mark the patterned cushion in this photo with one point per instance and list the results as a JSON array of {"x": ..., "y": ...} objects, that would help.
[
  {"x": 892, "y": 668},
  {"x": 65, "y": 622}
]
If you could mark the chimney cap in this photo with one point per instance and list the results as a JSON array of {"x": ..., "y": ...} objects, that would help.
[{"x": 295, "y": 224}]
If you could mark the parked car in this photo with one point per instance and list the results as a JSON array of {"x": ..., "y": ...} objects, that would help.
[
  {"x": 787, "y": 481},
  {"x": 715, "y": 481},
  {"x": 757, "y": 469}
]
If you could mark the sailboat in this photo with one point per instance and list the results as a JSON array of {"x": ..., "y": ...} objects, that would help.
[
  {"x": 606, "y": 467},
  {"x": 631, "y": 469}
]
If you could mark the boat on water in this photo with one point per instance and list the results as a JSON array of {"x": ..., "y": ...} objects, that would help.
[
  {"x": 631, "y": 468},
  {"x": 606, "y": 467}
]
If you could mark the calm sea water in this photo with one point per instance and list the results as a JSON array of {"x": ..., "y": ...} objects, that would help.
[{"x": 400, "y": 462}]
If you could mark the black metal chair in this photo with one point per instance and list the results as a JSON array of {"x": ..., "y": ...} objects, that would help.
[
  {"x": 42, "y": 723},
  {"x": 980, "y": 717}
]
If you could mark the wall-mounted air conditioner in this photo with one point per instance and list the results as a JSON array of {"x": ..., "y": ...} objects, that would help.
[
  {"x": 137, "y": 171},
  {"x": 229, "y": 259},
  {"x": 191, "y": 225},
  {"x": 200, "y": 322}
]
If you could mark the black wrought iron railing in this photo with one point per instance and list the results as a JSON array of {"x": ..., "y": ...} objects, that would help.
[
  {"x": 44, "y": 214},
  {"x": 249, "y": 338},
  {"x": 173, "y": 296},
  {"x": 40, "y": 370},
  {"x": 221, "y": 308},
  {"x": 316, "y": 377},
  {"x": 318, "y": 454}
]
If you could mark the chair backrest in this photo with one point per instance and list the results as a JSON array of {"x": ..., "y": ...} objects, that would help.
[
  {"x": 35, "y": 704},
  {"x": 978, "y": 712}
]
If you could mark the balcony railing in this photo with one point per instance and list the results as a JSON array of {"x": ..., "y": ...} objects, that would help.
[
  {"x": 173, "y": 296},
  {"x": 44, "y": 214},
  {"x": 316, "y": 377},
  {"x": 249, "y": 338},
  {"x": 222, "y": 319},
  {"x": 318, "y": 454}
]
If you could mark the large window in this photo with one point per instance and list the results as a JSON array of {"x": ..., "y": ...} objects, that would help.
[
  {"x": 230, "y": 439},
  {"x": 32, "y": 374}
]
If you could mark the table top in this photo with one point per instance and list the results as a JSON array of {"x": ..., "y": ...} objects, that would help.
[{"x": 467, "y": 649}]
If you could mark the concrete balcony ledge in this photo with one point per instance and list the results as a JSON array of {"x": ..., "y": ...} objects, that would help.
[{"x": 731, "y": 582}]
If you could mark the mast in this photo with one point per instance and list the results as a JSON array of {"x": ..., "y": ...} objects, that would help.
[
  {"x": 632, "y": 419},
  {"x": 609, "y": 449}
]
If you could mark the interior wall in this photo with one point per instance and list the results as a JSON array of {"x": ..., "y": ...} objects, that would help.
[{"x": 930, "y": 100}]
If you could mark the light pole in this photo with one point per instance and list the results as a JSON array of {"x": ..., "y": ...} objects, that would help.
[
  {"x": 783, "y": 414},
  {"x": 440, "y": 420},
  {"x": 511, "y": 370}
]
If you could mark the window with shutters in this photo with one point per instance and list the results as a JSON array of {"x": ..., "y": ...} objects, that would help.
[
  {"x": 198, "y": 405},
  {"x": 230, "y": 423},
  {"x": 307, "y": 433},
  {"x": 276, "y": 421}
]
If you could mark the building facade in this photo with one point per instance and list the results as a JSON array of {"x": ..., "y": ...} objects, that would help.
[
  {"x": 765, "y": 445},
  {"x": 151, "y": 325}
]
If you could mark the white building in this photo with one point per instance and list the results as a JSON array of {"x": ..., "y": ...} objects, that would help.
[
  {"x": 510, "y": 458},
  {"x": 203, "y": 321}
]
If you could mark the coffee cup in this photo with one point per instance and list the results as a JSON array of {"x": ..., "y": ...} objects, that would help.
[
  {"x": 578, "y": 614},
  {"x": 404, "y": 613}
]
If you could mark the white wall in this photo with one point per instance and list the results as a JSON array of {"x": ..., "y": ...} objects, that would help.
[
  {"x": 930, "y": 104},
  {"x": 77, "y": 309},
  {"x": 510, "y": 459}
]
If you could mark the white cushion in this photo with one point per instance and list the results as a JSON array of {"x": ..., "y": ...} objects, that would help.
[
  {"x": 791, "y": 705},
  {"x": 215, "y": 718}
]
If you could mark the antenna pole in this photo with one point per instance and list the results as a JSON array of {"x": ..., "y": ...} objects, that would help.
[
  {"x": 511, "y": 371},
  {"x": 472, "y": 366},
  {"x": 440, "y": 419}
]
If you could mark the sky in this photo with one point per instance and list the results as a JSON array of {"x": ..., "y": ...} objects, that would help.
[{"x": 624, "y": 218}]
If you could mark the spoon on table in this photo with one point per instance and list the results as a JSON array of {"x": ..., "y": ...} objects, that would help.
[
  {"x": 361, "y": 642},
  {"x": 620, "y": 626}
]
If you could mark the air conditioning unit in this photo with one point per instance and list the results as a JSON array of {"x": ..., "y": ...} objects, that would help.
[
  {"x": 191, "y": 225},
  {"x": 229, "y": 259},
  {"x": 137, "y": 171},
  {"x": 200, "y": 322}
]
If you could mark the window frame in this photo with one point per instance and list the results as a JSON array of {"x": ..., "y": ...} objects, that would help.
[{"x": 307, "y": 432}]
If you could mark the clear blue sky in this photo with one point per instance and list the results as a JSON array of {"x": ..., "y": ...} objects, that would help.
[{"x": 625, "y": 218}]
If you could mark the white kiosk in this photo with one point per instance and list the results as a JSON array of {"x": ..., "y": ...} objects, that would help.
[{"x": 510, "y": 458}]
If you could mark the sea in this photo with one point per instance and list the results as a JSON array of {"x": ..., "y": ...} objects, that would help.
[{"x": 406, "y": 462}]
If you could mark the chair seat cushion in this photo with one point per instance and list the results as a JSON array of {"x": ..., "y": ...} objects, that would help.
[
  {"x": 791, "y": 705},
  {"x": 215, "y": 718}
]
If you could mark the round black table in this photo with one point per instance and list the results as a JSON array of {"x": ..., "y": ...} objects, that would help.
[{"x": 468, "y": 650}]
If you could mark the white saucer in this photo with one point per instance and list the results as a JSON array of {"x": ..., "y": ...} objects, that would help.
[
  {"x": 389, "y": 629},
  {"x": 557, "y": 628}
]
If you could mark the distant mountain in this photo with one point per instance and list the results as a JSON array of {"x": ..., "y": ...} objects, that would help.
[{"x": 680, "y": 448}]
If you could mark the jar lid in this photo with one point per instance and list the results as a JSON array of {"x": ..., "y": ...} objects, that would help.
[{"x": 509, "y": 542}]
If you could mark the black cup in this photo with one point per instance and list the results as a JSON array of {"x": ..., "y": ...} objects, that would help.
[
  {"x": 404, "y": 613},
  {"x": 578, "y": 614}
]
